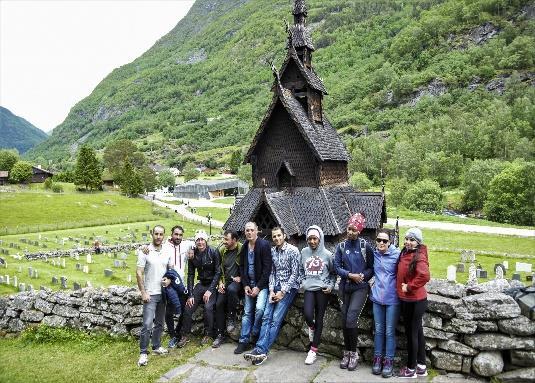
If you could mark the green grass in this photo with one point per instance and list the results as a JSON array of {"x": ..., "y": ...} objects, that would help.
[
  {"x": 48, "y": 355},
  {"x": 219, "y": 214},
  {"x": 226, "y": 200}
]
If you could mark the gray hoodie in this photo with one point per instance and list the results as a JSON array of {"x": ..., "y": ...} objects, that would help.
[{"x": 317, "y": 266}]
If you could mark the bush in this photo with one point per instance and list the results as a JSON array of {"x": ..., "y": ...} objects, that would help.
[
  {"x": 57, "y": 188},
  {"x": 360, "y": 181},
  {"x": 47, "y": 184},
  {"x": 425, "y": 196},
  {"x": 398, "y": 187},
  {"x": 476, "y": 181},
  {"x": 21, "y": 172}
]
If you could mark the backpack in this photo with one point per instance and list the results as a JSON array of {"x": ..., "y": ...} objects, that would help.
[{"x": 176, "y": 282}]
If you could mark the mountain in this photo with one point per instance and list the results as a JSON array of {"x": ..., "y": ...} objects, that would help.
[
  {"x": 416, "y": 88},
  {"x": 16, "y": 132}
]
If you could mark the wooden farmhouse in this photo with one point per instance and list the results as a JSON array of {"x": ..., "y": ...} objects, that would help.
[{"x": 299, "y": 163}]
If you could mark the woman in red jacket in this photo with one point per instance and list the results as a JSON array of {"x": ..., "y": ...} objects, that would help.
[{"x": 413, "y": 274}]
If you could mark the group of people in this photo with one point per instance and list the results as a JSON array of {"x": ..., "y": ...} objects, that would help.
[{"x": 268, "y": 277}]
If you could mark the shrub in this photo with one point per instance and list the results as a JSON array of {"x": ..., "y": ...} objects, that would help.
[
  {"x": 360, "y": 181},
  {"x": 398, "y": 187},
  {"x": 48, "y": 184},
  {"x": 425, "y": 196},
  {"x": 57, "y": 188}
]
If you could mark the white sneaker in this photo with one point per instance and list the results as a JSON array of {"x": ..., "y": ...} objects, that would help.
[
  {"x": 160, "y": 351},
  {"x": 311, "y": 357},
  {"x": 143, "y": 360},
  {"x": 310, "y": 334}
]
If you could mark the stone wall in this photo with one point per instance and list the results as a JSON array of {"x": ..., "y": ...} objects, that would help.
[{"x": 481, "y": 334}]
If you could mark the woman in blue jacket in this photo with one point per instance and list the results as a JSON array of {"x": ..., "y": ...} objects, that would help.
[
  {"x": 353, "y": 262},
  {"x": 385, "y": 303}
]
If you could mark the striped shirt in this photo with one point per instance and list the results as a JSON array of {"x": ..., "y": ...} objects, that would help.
[{"x": 285, "y": 271}]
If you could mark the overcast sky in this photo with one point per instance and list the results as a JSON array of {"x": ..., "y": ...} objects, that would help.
[{"x": 54, "y": 53}]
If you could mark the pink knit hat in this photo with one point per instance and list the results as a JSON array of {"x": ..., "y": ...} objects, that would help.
[{"x": 357, "y": 220}]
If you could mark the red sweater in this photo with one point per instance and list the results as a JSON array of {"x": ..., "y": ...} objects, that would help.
[{"x": 416, "y": 281}]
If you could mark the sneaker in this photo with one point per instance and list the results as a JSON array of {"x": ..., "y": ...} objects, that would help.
[
  {"x": 421, "y": 371},
  {"x": 310, "y": 334},
  {"x": 353, "y": 361},
  {"x": 311, "y": 357},
  {"x": 388, "y": 368},
  {"x": 259, "y": 360},
  {"x": 231, "y": 325},
  {"x": 143, "y": 360},
  {"x": 160, "y": 351},
  {"x": 377, "y": 365},
  {"x": 218, "y": 341},
  {"x": 206, "y": 340},
  {"x": 345, "y": 360},
  {"x": 172, "y": 342},
  {"x": 406, "y": 372},
  {"x": 242, "y": 347},
  {"x": 183, "y": 341},
  {"x": 253, "y": 355}
]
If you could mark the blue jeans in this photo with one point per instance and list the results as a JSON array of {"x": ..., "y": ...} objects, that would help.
[
  {"x": 153, "y": 312},
  {"x": 386, "y": 319},
  {"x": 272, "y": 321},
  {"x": 253, "y": 311}
]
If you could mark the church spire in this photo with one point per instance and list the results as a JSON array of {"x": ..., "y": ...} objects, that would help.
[
  {"x": 299, "y": 33},
  {"x": 300, "y": 12}
]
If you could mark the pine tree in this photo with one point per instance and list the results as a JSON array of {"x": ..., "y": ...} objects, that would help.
[
  {"x": 87, "y": 172},
  {"x": 130, "y": 181}
]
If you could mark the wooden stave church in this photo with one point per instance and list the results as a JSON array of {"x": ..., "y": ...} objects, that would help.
[{"x": 299, "y": 163}]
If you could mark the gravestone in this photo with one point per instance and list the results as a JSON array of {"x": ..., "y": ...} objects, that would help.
[
  {"x": 499, "y": 268},
  {"x": 29, "y": 288},
  {"x": 15, "y": 281},
  {"x": 89, "y": 258},
  {"x": 64, "y": 282},
  {"x": 22, "y": 287},
  {"x": 20, "y": 269},
  {"x": 523, "y": 267},
  {"x": 506, "y": 265},
  {"x": 129, "y": 278},
  {"x": 76, "y": 286},
  {"x": 515, "y": 277},
  {"x": 30, "y": 271},
  {"x": 88, "y": 284},
  {"x": 529, "y": 278},
  {"x": 54, "y": 280},
  {"x": 1, "y": 279},
  {"x": 460, "y": 268},
  {"x": 85, "y": 269},
  {"x": 124, "y": 256},
  {"x": 452, "y": 273},
  {"x": 116, "y": 263},
  {"x": 63, "y": 263},
  {"x": 481, "y": 273},
  {"x": 108, "y": 272},
  {"x": 78, "y": 266},
  {"x": 124, "y": 265},
  {"x": 472, "y": 275},
  {"x": 35, "y": 274}
]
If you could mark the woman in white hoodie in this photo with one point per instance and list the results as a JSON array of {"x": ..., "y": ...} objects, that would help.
[{"x": 319, "y": 279}]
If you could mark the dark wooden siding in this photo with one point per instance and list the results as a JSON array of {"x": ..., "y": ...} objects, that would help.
[{"x": 333, "y": 173}]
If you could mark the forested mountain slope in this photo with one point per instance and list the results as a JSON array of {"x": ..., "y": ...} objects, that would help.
[{"x": 17, "y": 133}]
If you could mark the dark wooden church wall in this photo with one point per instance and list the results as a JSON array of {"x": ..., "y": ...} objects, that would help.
[
  {"x": 333, "y": 173},
  {"x": 282, "y": 141},
  {"x": 291, "y": 78}
]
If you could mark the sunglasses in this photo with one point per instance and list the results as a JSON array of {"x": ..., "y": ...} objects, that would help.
[
  {"x": 412, "y": 239},
  {"x": 381, "y": 240}
]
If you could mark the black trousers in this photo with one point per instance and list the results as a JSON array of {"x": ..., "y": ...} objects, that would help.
[
  {"x": 412, "y": 319},
  {"x": 169, "y": 316},
  {"x": 352, "y": 305},
  {"x": 198, "y": 292},
  {"x": 314, "y": 309},
  {"x": 226, "y": 305}
]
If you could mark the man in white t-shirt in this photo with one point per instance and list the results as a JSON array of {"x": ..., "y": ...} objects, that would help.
[
  {"x": 150, "y": 269},
  {"x": 179, "y": 250}
]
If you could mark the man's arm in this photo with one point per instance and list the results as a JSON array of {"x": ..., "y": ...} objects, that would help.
[{"x": 140, "y": 284}]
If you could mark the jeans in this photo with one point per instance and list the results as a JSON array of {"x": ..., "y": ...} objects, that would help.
[
  {"x": 153, "y": 313},
  {"x": 226, "y": 304},
  {"x": 253, "y": 312},
  {"x": 274, "y": 314},
  {"x": 169, "y": 316},
  {"x": 413, "y": 313},
  {"x": 386, "y": 319},
  {"x": 315, "y": 304},
  {"x": 198, "y": 292}
]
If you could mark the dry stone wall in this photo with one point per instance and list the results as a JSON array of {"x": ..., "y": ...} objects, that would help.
[{"x": 481, "y": 334}]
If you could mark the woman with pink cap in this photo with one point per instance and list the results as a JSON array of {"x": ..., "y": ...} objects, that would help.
[{"x": 353, "y": 262}]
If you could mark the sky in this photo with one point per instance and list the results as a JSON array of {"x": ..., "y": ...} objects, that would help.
[{"x": 54, "y": 53}]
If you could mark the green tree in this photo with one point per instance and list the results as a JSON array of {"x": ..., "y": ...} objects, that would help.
[
  {"x": 235, "y": 161},
  {"x": 246, "y": 174},
  {"x": 511, "y": 195},
  {"x": 117, "y": 152},
  {"x": 148, "y": 176},
  {"x": 360, "y": 181},
  {"x": 87, "y": 172},
  {"x": 21, "y": 172},
  {"x": 476, "y": 180},
  {"x": 166, "y": 179},
  {"x": 8, "y": 158},
  {"x": 189, "y": 172},
  {"x": 424, "y": 195},
  {"x": 130, "y": 181},
  {"x": 397, "y": 187}
]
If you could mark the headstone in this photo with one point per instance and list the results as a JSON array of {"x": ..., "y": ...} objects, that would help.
[
  {"x": 88, "y": 284},
  {"x": 85, "y": 269},
  {"x": 460, "y": 268},
  {"x": 506, "y": 265},
  {"x": 89, "y": 258},
  {"x": 64, "y": 282},
  {"x": 35, "y": 274},
  {"x": 30, "y": 271},
  {"x": 124, "y": 256},
  {"x": 529, "y": 278},
  {"x": 451, "y": 273},
  {"x": 78, "y": 266},
  {"x": 499, "y": 268},
  {"x": 76, "y": 286},
  {"x": 20, "y": 269},
  {"x": 515, "y": 277},
  {"x": 124, "y": 265},
  {"x": 129, "y": 278},
  {"x": 523, "y": 267},
  {"x": 63, "y": 263},
  {"x": 108, "y": 272},
  {"x": 54, "y": 280},
  {"x": 22, "y": 287},
  {"x": 1, "y": 279},
  {"x": 29, "y": 288},
  {"x": 116, "y": 263},
  {"x": 15, "y": 281},
  {"x": 472, "y": 275},
  {"x": 481, "y": 273}
]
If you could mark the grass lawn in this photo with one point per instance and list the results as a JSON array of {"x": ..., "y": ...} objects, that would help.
[
  {"x": 219, "y": 214},
  {"x": 226, "y": 200},
  {"x": 48, "y": 355}
]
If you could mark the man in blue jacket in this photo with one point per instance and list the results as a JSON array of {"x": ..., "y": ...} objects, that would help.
[{"x": 255, "y": 268}]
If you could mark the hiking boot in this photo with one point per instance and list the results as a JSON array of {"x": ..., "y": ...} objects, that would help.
[
  {"x": 206, "y": 340},
  {"x": 388, "y": 368},
  {"x": 311, "y": 334},
  {"x": 143, "y": 360},
  {"x": 160, "y": 351},
  {"x": 242, "y": 347},
  {"x": 231, "y": 325},
  {"x": 353, "y": 361},
  {"x": 253, "y": 355},
  {"x": 406, "y": 372},
  {"x": 218, "y": 341},
  {"x": 421, "y": 371},
  {"x": 311, "y": 357},
  {"x": 172, "y": 342},
  {"x": 183, "y": 341},
  {"x": 345, "y": 360},
  {"x": 376, "y": 366}
]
